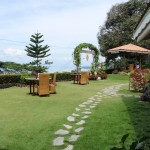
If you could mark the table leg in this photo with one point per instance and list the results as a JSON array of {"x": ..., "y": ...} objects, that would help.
[
  {"x": 34, "y": 88},
  {"x": 78, "y": 79},
  {"x": 74, "y": 78},
  {"x": 30, "y": 87}
]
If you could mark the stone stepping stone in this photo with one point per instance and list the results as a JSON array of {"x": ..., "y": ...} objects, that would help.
[
  {"x": 75, "y": 115},
  {"x": 78, "y": 130},
  {"x": 90, "y": 101},
  {"x": 71, "y": 119},
  {"x": 97, "y": 102},
  {"x": 99, "y": 98},
  {"x": 77, "y": 109},
  {"x": 85, "y": 117},
  {"x": 61, "y": 132},
  {"x": 82, "y": 105},
  {"x": 91, "y": 98},
  {"x": 92, "y": 106},
  {"x": 87, "y": 109},
  {"x": 99, "y": 93},
  {"x": 69, "y": 147},
  {"x": 85, "y": 103},
  {"x": 67, "y": 126},
  {"x": 73, "y": 138},
  {"x": 80, "y": 122},
  {"x": 58, "y": 141},
  {"x": 86, "y": 112}
]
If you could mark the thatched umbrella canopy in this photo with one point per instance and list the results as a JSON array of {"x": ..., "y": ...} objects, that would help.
[{"x": 130, "y": 48}]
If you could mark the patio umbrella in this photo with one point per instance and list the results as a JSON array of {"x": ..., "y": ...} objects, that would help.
[{"x": 130, "y": 48}]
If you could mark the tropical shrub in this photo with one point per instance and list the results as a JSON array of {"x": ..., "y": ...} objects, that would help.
[
  {"x": 138, "y": 79},
  {"x": 102, "y": 74},
  {"x": 140, "y": 144}
]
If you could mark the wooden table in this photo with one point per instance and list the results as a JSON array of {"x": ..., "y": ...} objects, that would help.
[
  {"x": 32, "y": 82},
  {"x": 76, "y": 78}
]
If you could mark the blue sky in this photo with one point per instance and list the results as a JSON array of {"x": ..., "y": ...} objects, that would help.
[{"x": 64, "y": 24}]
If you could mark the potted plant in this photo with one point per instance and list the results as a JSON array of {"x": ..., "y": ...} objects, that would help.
[
  {"x": 93, "y": 73},
  {"x": 102, "y": 74}
]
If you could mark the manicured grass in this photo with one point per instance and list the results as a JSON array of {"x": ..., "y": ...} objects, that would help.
[{"x": 29, "y": 122}]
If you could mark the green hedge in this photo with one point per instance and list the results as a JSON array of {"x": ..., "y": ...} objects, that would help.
[
  {"x": 66, "y": 76},
  {"x": 4, "y": 79},
  {"x": 13, "y": 80},
  {"x": 9, "y": 80}
]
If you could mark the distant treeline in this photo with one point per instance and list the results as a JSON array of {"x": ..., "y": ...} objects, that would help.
[{"x": 14, "y": 68}]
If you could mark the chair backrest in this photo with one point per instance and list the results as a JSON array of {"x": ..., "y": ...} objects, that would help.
[
  {"x": 54, "y": 79},
  {"x": 52, "y": 86},
  {"x": 84, "y": 78},
  {"x": 43, "y": 84}
]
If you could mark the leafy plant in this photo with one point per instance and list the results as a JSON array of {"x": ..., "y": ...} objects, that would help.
[
  {"x": 138, "y": 79},
  {"x": 102, "y": 73},
  {"x": 140, "y": 144}
]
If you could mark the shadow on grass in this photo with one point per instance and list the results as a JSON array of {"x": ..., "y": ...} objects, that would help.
[{"x": 139, "y": 113}]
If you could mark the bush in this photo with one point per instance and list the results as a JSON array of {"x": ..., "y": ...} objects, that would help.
[
  {"x": 138, "y": 79},
  {"x": 65, "y": 76},
  {"x": 9, "y": 80},
  {"x": 141, "y": 144},
  {"x": 102, "y": 74}
]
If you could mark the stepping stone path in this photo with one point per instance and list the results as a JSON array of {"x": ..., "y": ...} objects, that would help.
[{"x": 77, "y": 121}]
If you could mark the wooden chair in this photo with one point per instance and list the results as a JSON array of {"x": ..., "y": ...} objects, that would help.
[
  {"x": 84, "y": 78},
  {"x": 88, "y": 76},
  {"x": 43, "y": 87},
  {"x": 52, "y": 86}
]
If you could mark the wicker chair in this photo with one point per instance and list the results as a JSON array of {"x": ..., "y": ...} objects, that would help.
[
  {"x": 52, "y": 86},
  {"x": 88, "y": 76},
  {"x": 84, "y": 78},
  {"x": 43, "y": 87}
]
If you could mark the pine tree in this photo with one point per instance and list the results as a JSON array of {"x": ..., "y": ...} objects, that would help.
[{"x": 36, "y": 50}]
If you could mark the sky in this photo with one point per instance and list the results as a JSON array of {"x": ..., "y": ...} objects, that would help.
[{"x": 64, "y": 24}]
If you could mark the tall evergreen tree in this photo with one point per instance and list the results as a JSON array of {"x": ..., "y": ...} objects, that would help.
[{"x": 37, "y": 51}]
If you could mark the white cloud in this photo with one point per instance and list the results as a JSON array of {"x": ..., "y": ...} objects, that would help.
[{"x": 14, "y": 52}]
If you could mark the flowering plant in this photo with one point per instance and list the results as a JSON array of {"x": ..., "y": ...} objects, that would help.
[{"x": 138, "y": 79}]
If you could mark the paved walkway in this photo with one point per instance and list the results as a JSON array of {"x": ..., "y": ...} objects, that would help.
[{"x": 75, "y": 124}]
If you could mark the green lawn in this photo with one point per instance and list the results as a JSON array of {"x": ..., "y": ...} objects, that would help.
[{"x": 29, "y": 122}]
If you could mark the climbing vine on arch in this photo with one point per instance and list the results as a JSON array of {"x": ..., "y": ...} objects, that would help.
[{"x": 77, "y": 54}]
